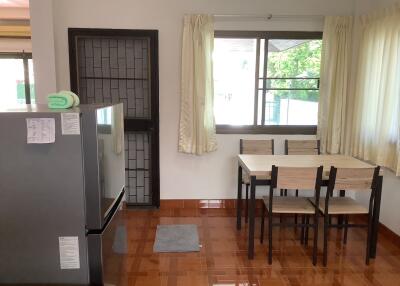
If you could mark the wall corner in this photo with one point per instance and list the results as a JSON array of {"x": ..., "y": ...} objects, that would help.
[{"x": 43, "y": 48}]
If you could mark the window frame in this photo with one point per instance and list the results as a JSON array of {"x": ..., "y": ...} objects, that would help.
[
  {"x": 266, "y": 129},
  {"x": 24, "y": 57}
]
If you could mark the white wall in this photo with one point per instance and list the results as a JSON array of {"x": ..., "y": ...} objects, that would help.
[
  {"x": 182, "y": 176},
  {"x": 390, "y": 211},
  {"x": 365, "y": 6},
  {"x": 43, "y": 52}
]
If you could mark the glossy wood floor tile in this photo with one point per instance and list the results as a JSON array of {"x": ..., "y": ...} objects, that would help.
[{"x": 222, "y": 259}]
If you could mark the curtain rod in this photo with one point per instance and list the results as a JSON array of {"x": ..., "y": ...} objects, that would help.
[{"x": 269, "y": 17}]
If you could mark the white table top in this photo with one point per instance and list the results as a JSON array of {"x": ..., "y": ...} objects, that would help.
[{"x": 261, "y": 165}]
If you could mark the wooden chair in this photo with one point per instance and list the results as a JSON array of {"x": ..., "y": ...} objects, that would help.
[
  {"x": 301, "y": 147},
  {"x": 361, "y": 179},
  {"x": 254, "y": 147},
  {"x": 292, "y": 178}
]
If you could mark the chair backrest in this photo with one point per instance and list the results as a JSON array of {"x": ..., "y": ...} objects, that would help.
[
  {"x": 296, "y": 178},
  {"x": 302, "y": 147},
  {"x": 354, "y": 179},
  {"x": 257, "y": 147}
]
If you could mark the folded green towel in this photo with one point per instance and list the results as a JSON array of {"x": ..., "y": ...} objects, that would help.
[
  {"x": 60, "y": 100},
  {"x": 76, "y": 98}
]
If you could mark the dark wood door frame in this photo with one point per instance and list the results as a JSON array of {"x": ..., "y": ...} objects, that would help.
[{"x": 131, "y": 124}]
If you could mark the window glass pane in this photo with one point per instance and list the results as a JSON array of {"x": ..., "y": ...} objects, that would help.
[
  {"x": 259, "y": 107},
  {"x": 12, "y": 84},
  {"x": 293, "y": 82},
  {"x": 299, "y": 83},
  {"x": 234, "y": 81},
  {"x": 31, "y": 81},
  {"x": 294, "y": 58},
  {"x": 262, "y": 54},
  {"x": 289, "y": 109}
]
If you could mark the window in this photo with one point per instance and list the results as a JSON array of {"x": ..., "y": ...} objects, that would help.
[
  {"x": 16, "y": 79},
  {"x": 266, "y": 82}
]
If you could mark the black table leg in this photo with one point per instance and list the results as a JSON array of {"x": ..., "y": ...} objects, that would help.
[
  {"x": 252, "y": 207},
  {"x": 342, "y": 193},
  {"x": 375, "y": 217},
  {"x": 239, "y": 200}
]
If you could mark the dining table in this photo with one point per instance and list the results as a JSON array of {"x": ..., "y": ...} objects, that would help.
[{"x": 258, "y": 168}]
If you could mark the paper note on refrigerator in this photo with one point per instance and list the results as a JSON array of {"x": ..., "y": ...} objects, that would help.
[
  {"x": 69, "y": 252},
  {"x": 70, "y": 124},
  {"x": 40, "y": 130}
]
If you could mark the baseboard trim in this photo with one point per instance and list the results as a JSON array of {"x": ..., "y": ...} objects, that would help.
[
  {"x": 230, "y": 204},
  {"x": 389, "y": 234},
  {"x": 202, "y": 204}
]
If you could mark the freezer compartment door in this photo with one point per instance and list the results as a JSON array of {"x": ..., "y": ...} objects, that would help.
[{"x": 107, "y": 251}]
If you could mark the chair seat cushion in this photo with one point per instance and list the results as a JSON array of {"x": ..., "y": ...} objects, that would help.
[
  {"x": 246, "y": 178},
  {"x": 342, "y": 205},
  {"x": 290, "y": 205}
]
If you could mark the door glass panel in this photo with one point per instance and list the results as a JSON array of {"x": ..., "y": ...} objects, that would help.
[
  {"x": 12, "y": 83},
  {"x": 31, "y": 81}
]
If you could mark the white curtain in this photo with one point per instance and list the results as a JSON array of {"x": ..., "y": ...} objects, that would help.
[
  {"x": 197, "y": 126},
  {"x": 335, "y": 74},
  {"x": 375, "y": 124}
]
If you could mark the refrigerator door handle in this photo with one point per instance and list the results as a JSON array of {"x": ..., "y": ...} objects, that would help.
[{"x": 110, "y": 215}]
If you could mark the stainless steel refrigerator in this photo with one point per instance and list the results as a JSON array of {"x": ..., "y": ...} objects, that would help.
[{"x": 61, "y": 185}]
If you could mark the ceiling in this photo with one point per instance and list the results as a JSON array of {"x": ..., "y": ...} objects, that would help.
[{"x": 14, "y": 3}]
